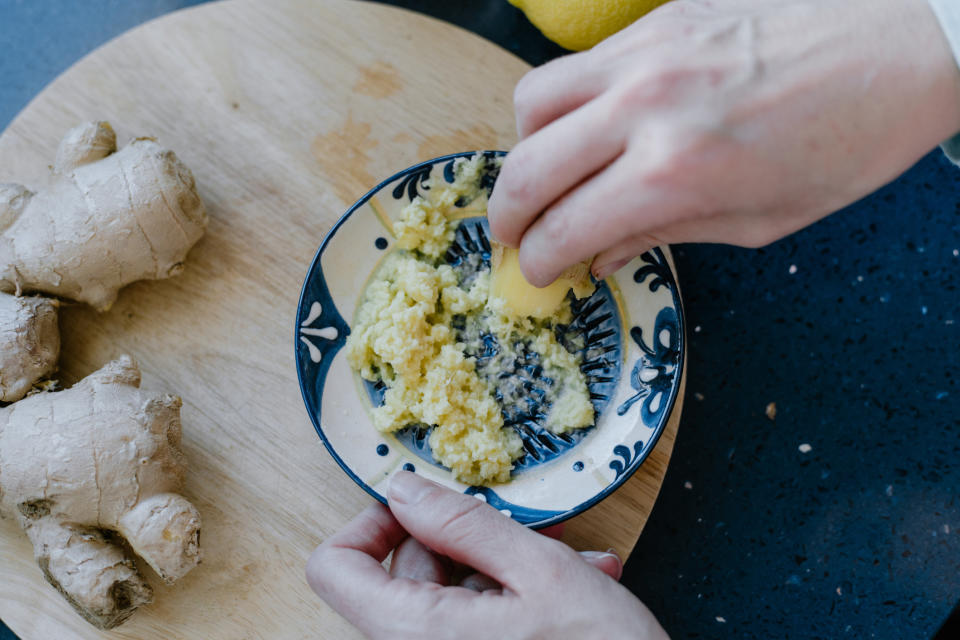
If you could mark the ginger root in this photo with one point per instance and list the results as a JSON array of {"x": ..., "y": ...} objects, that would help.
[
  {"x": 520, "y": 298},
  {"x": 29, "y": 343},
  {"x": 107, "y": 218},
  {"x": 100, "y": 460}
]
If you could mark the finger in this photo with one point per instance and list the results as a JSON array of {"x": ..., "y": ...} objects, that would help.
[
  {"x": 549, "y": 163},
  {"x": 608, "y": 562},
  {"x": 557, "y": 88},
  {"x": 607, "y": 269},
  {"x": 740, "y": 229},
  {"x": 554, "y": 531},
  {"x": 415, "y": 561},
  {"x": 480, "y": 582},
  {"x": 736, "y": 229},
  {"x": 608, "y": 261},
  {"x": 471, "y": 532},
  {"x": 345, "y": 570},
  {"x": 596, "y": 216}
]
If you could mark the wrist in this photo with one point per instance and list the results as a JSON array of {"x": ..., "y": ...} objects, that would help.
[
  {"x": 947, "y": 14},
  {"x": 892, "y": 59},
  {"x": 934, "y": 32},
  {"x": 878, "y": 83}
]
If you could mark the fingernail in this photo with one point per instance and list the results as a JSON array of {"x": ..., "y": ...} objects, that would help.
[
  {"x": 611, "y": 267},
  {"x": 407, "y": 488},
  {"x": 598, "y": 557}
]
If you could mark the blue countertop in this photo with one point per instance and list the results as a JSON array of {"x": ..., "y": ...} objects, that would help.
[{"x": 841, "y": 517}]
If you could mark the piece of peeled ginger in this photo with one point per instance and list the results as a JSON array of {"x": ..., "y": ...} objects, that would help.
[{"x": 520, "y": 298}]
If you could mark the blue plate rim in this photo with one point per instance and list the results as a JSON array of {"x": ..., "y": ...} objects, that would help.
[{"x": 560, "y": 517}]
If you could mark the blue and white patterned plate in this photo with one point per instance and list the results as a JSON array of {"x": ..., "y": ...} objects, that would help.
[{"x": 633, "y": 359}]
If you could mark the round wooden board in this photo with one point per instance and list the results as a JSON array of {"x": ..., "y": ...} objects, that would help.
[{"x": 286, "y": 112}]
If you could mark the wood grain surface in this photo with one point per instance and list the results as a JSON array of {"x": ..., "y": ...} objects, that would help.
[{"x": 286, "y": 112}]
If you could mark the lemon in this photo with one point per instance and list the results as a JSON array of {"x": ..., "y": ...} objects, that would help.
[{"x": 580, "y": 24}]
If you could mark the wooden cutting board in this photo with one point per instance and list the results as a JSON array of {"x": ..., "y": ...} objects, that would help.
[{"x": 286, "y": 112}]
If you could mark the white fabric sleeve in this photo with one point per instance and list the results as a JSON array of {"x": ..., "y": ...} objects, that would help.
[{"x": 948, "y": 14}]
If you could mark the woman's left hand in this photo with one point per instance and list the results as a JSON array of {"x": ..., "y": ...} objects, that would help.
[{"x": 526, "y": 585}]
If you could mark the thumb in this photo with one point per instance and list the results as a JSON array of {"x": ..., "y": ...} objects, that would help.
[
  {"x": 606, "y": 561},
  {"x": 472, "y": 532}
]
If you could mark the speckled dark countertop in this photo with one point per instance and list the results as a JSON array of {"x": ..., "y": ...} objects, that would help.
[{"x": 838, "y": 519}]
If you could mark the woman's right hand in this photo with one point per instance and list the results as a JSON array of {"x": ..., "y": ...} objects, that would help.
[{"x": 736, "y": 121}]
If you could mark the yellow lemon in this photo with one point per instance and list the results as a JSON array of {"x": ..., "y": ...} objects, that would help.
[{"x": 580, "y": 24}]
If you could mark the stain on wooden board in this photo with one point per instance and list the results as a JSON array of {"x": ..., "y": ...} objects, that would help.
[
  {"x": 344, "y": 156},
  {"x": 379, "y": 80}
]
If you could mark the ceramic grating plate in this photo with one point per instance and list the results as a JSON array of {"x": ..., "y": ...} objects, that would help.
[{"x": 630, "y": 333}]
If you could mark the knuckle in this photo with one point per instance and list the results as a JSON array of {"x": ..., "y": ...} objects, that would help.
[
  {"x": 645, "y": 241},
  {"x": 511, "y": 183},
  {"x": 511, "y": 171},
  {"x": 534, "y": 98},
  {"x": 559, "y": 562},
  {"x": 523, "y": 93},
  {"x": 555, "y": 228},
  {"x": 461, "y": 521},
  {"x": 663, "y": 81},
  {"x": 530, "y": 91},
  {"x": 674, "y": 157},
  {"x": 317, "y": 570},
  {"x": 670, "y": 170},
  {"x": 644, "y": 87},
  {"x": 556, "y": 550}
]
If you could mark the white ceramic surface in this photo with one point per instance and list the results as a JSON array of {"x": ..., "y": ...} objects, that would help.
[{"x": 633, "y": 327}]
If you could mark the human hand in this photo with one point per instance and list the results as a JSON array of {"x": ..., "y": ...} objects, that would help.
[
  {"x": 735, "y": 121},
  {"x": 528, "y": 585}
]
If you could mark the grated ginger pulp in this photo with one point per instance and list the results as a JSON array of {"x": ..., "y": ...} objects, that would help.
[{"x": 404, "y": 335}]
